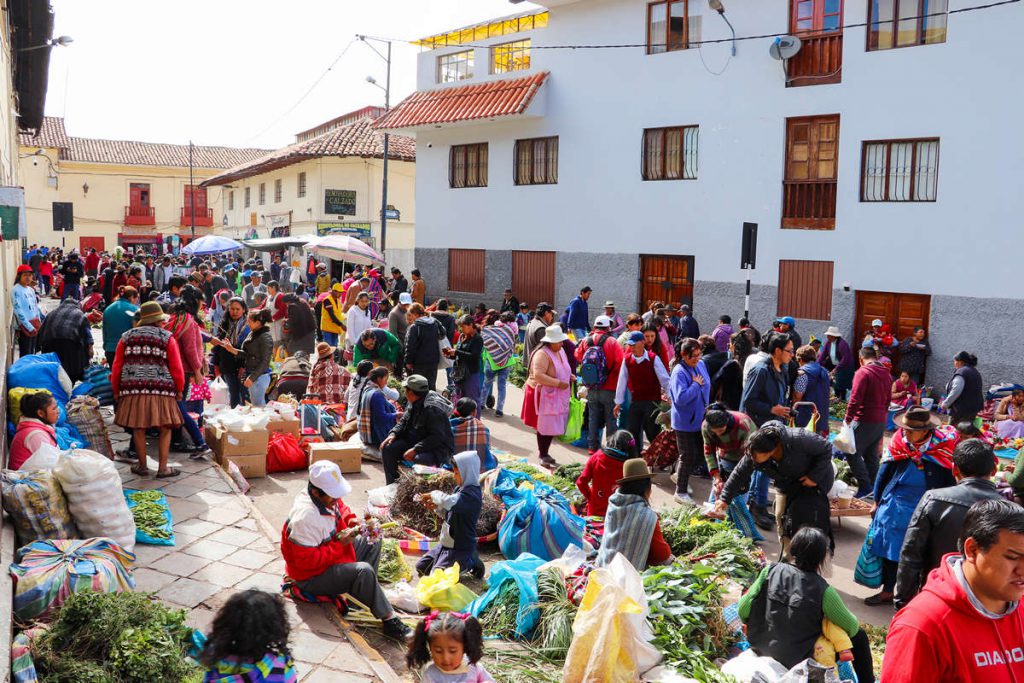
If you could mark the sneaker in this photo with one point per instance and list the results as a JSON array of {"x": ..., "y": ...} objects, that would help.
[
  {"x": 200, "y": 453},
  {"x": 498, "y": 413},
  {"x": 394, "y": 628},
  {"x": 684, "y": 499}
]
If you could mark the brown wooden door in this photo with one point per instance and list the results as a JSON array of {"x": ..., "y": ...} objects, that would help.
[
  {"x": 533, "y": 277},
  {"x": 87, "y": 243},
  {"x": 812, "y": 168},
  {"x": 665, "y": 278},
  {"x": 902, "y": 312}
]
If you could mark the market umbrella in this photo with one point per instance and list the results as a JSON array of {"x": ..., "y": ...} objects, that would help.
[
  {"x": 344, "y": 248},
  {"x": 211, "y": 244}
]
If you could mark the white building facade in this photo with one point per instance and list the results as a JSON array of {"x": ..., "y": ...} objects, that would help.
[{"x": 884, "y": 180}]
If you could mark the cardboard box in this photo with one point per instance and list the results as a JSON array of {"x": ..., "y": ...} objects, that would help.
[
  {"x": 292, "y": 427},
  {"x": 212, "y": 436},
  {"x": 251, "y": 466},
  {"x": 224, "y": 443},
  {"x": 347, "y": 454}
]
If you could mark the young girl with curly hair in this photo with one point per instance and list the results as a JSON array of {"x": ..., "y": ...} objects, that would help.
[{"x": 451, "y": 645}]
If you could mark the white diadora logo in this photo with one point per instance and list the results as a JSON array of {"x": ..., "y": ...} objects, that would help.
[{"x": 996, "y": 657}]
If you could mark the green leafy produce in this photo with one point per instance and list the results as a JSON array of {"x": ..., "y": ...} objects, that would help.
[
  {"x": 521, "y": 664},
  {"x": 716, "y": 543},
  {"x": 518, "y": 373},
  {"x": 876, "y": 638},
  {"x": 499, "y": 619},
  {"x": 685, "y": 602},
  {"x": 557, "y": 612},
  {"x": 114, "y": 637},
  {"x": 837, "y": 409},
  {"x": 393, "y": 566},
  {"x": 844, "y": 473},
  {"x": 150, "y": 513}
]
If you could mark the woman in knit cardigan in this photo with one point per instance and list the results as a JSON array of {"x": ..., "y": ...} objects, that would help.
[{"x": 147, "y": 378}]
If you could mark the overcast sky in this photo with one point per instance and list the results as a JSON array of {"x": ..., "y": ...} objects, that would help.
[{"x": 224, "y": 72}]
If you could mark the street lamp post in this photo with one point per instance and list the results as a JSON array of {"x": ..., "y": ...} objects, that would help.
[
  {"x": 387, "y": 105},
  {"x": 191, "y": 191}
]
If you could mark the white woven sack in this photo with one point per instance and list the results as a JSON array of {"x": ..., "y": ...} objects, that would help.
[{"x": 93, "y": 488}]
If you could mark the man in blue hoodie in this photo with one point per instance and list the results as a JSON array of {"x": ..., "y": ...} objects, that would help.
[{"x": 577, "y": 316}]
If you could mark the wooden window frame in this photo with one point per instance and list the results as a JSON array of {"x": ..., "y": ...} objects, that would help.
[
  {"x": 300, "y": 187},
  {"x": 463, "y": 182},
  {"x": 512, "y": 51},
  {"x": 444, "y": 61},
  {"x": 548, "y": 174},
  {"x": 919, "y": 29},
  {"x": 816, "y": 222},
  {"x": 668, "y": 14},
  {"x": 248, "y": 197},
  {"x": 648, "y": 132},
  {"x": 817, "y": 19},
  {"x": 790, "y": 309},
  {"x": 278, "y": 190},
  {"x": 263, "y": 194},
  {"x": 888, "y": 169},
  {"x": 472, "y": 282}
]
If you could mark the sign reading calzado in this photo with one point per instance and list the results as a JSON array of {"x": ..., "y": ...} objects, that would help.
[{"x": 340, "y": 202}]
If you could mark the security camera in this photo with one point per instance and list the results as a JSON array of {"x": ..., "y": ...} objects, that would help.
[{"x": 35, "y": 162}]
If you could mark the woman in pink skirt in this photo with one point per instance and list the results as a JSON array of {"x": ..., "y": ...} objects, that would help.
[{"x": 546, "y": 397}]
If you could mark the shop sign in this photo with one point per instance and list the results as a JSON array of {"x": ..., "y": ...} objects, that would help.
[
  {"x": 360, "y": 230},
  {"x": 340, "y": 202}
]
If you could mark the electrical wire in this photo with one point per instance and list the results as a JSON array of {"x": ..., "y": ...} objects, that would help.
[
  {"x": 305, "y": 94},
  {"x": 715, "y": 41}
]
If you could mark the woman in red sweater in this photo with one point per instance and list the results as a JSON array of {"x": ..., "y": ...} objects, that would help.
[
  {"x": 600, "y": 475},
  {"x": 183, "y": 324}
]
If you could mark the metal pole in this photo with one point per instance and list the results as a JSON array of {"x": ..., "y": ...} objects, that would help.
[
  {"x": 746, "y": 299},
  {"x": 191, "y": 190},
  {"x": 384, "y": 182}
]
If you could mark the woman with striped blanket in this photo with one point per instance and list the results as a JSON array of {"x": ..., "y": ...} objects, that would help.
[{"x": 499, "y": 337}]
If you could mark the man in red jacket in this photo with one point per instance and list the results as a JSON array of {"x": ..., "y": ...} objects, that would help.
[
  {"x": 966, "y": 625},
  {"x": 323, "y": 551},
  {"x": 866, "y": 413}
]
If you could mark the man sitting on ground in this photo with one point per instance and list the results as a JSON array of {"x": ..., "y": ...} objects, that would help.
[
  {"x": 423, "y": 434},
  {"x": 471, "y": 434},
  {"x": 324, "y": 553}
]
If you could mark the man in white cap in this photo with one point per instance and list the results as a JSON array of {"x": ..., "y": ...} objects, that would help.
[
  {"x": 600, "y": 359},
  {"x": 324, "y": 553}
]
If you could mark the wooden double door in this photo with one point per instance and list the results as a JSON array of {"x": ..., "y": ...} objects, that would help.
[
  {"x": 902, "y": 312},
  {"x": 665, "y": 278}
]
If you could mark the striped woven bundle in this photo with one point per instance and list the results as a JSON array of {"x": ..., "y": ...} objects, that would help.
[
  {"x": 99, "y": 377},
  {"x": 48, "y": 572},
  {"x": 541, "y": 524},
  {"x": 23, "y": 668},
  {"x": 291, "y": 589}
]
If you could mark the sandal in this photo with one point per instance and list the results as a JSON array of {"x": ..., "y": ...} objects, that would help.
[
  {"x": 879, "y": 599},
  {"x": 139, "y": 470},
  {"x": 171, "y": 472}
]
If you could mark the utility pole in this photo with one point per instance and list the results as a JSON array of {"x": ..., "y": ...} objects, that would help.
[
  {"x": 191, "y": 191},
  {"x": 384, "y": 182}
]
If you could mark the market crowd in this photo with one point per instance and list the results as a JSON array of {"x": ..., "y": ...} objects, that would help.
[{"x": 750, "y": 409}]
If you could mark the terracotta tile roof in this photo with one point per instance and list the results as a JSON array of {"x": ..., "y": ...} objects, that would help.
[
  {"x": 357, "y": 139},
  {"x": 505, "y": 97},
  {"x": 50, "y": 134}
]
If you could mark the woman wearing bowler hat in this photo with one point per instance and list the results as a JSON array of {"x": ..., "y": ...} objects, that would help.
[
  {"x": 631, "y": 526},
  {"x": 919, "y": 458}
]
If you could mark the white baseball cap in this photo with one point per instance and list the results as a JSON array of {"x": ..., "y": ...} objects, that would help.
[
  {"x": 602, "y": 321},
  {"x": 326, "y": 476},
  {"x": 405, "y": 298},
  {"x": 876, "y": 323}
]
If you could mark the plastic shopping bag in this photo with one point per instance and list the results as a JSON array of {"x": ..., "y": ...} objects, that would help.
[
  {"x": 574, "y": 425},
  {"x": 844, "y": 441},
  {"x": 610, "y": 636},
  {"x": 36, "y": 504},
  {"x": 522, "y": 571},
  {"x": 441, "y": 590},
  {"x": 403, "y": 596},
  {"x": 93, "y": 488},
  {"x": 219, "y": 393},
  {"x": 199, "y": 391},
  {"x": 868, "y": 571}
]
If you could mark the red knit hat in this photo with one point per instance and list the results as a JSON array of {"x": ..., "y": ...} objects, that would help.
[{"x": 24, "y": 269}]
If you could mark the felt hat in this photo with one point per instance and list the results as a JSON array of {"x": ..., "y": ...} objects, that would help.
[
  {"x": 553, "y": 334},
  {"x": 833, "y": 332},
  {"x": 323, "y": 349},
  {"x": 917, "y": 418},
  {"x": 151, "y": 313},
  {"x": 634, "y": 469}
]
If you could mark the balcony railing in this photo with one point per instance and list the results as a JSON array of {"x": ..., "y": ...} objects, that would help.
[
  {"x": 819, "y": 61},
  {"x": 204, "y": 217},
  {"x": 139, "y": 215},
  {"x": 809, "y": 204}
]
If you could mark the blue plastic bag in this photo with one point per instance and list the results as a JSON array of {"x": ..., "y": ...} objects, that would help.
[
  {"x": 42, "y": 371},
  {"x": 168, "y": 526},
  {"x": 541, "y": 524},
  {"x": 523, "y": 572},
  {"x": 868, "y": 570}
]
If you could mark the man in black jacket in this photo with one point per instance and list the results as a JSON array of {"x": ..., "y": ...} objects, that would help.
[
  {"x": 800, "y": 463},
  {"x": 938, "y": 521},
  {"x": 422, "y": 353},
  {"x": 423, "y": 434}
]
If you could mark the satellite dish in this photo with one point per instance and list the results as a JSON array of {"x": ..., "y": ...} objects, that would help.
[{"x": 784, "y": 47}]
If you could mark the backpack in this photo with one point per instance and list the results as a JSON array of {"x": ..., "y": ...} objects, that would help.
[{"x": 594, "y": 365}]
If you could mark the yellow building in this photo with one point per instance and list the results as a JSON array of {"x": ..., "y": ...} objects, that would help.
[
  {"x": 120, "y": 192},
  {"x": 327, "y": 182}
]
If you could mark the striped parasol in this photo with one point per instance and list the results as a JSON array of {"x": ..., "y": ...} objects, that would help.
[{"x": 345, "y": 248}]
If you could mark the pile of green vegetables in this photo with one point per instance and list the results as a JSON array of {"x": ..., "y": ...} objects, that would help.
[
  {"x": 717, "y": 544},
  {"x": 837, "y": 409},
  {"x": 500, "y": 617},
  {"x": 518, "y": 372},
  {"x": 393, "y": 566},
  {"x": 122, "y": 637},
  {"x": 843, "y": 472},
  {"x": 150, "y": 513},
  {"x": 685, "y": 602},
  {"x": 876, "y": 637}
]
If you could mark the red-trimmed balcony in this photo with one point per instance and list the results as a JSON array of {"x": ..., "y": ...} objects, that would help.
[
  {"x": 204, "y": 217},
  {"x": 139, "y": 215},
  {"x": 819, "y": 61}
]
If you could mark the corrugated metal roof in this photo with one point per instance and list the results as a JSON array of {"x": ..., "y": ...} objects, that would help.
[{"x": 505, "y": 97}]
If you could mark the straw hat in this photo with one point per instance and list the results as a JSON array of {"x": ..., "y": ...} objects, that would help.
[
  {"x": 634, "y": 469},
  {"x": 151, "y": 313},
  {"x": 917, "y": 418},
  {"x": 323, "y": 349},
  {"x": 833, "y": 332},
  {"x": 553, "y": 334}
]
